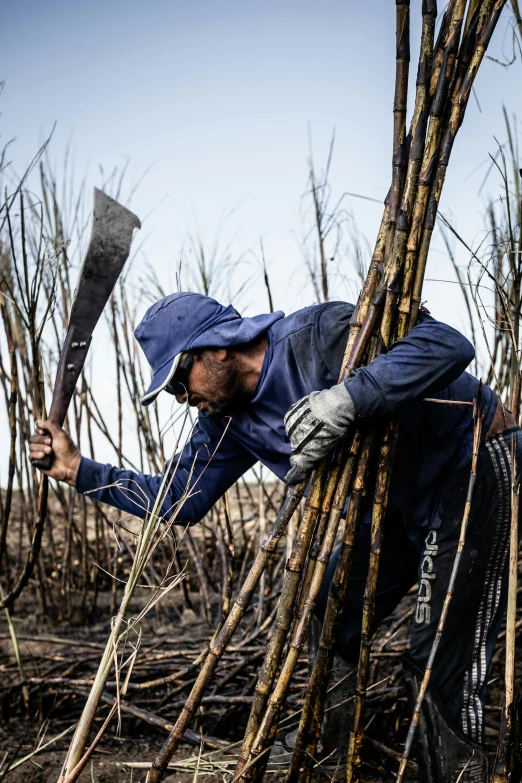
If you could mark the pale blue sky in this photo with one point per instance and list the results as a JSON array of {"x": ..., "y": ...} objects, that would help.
[{"x": 218, "y": 96}]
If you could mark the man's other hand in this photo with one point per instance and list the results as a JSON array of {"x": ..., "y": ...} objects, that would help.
[
  {"x": 314, "y": 425},
  {"x": 51, "y": 439}
]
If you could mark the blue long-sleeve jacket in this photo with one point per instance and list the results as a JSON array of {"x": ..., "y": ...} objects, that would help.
[{"x": 305, "y": 352}]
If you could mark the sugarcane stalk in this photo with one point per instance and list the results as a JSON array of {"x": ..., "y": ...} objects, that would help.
[
  {"x": 472, "y": 10},
  {"x": 282, "y": 624},
  {"x": 314, "y": 702},
  {"x": 84, "y": 724},
  {"x": 360, "y": 312},
  {"x": 276, "y": 700},
  {"x": 378, "y": 512},
  {"x": 488, "y": 22},
  {"x": 13, "y": 431},
  {"x": 346, "y": 458},
  {"x": 353, "y": 765},
  {"x": 16, "y": 650},
  {"x": 518, "y": 15},
  {"x": 425, "y": 210},
  {"x": 411, "y": 179},
  {"x": 322, "y": 522},
  {"x": 146, "y": 543},
  {"x": 417, "y": 152},
  {"x": 273, "y": 655},
  {"x": 36, "y": 541},
  {"x": 442, "y": 39},
  {"x": 334, "y": 606},
  {"x": 477, "y": 432},
  {"x": 369, "y": 303},
  {"x": 372, "y": 278},
  {"x": 381, "y": 294},
  {"x": 419, "y": 181},
  {"x": 387, "y": 451},
  {"x": 402, "y": 68},
  {"x": 503, "y": 761},
  {"x": 353, "y": 355},
  {"x": 423, "y": 157},
  {"x": 417, "y": 131},
  {"x": 286, "y": 606}
]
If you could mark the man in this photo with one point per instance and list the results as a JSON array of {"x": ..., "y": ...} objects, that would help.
[{"x": 250, "y": 376}]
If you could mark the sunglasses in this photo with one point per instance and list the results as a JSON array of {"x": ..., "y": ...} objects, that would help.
[{"x": 179, "y": 383}]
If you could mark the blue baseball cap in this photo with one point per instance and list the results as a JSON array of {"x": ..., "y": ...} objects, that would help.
[{"x": 185, "y": 322}]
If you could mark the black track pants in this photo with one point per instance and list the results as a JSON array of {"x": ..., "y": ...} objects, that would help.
[{"x": 426, "y": 557}]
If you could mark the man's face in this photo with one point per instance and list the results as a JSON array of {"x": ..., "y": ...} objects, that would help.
[{"x": 214, "y": 383}]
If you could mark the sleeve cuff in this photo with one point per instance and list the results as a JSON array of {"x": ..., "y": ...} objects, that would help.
[{"x": 91, "y": 475}]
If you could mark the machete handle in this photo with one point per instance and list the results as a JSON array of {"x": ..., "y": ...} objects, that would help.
[
  {"x": 72, "y": 359},
  {"x": 45, "y": 463}
]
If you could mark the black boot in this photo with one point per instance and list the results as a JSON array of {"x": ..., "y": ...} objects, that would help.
[{"x": 444, "y": 754}]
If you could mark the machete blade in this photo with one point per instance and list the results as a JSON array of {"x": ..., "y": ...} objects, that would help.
[{"x": 107, "y": 251}]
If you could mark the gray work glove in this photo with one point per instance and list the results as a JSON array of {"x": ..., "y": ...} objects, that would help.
[{"x": 314, "y": 425}]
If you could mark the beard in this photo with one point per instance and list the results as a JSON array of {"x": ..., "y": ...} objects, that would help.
[{"x": 227, "y": 392}]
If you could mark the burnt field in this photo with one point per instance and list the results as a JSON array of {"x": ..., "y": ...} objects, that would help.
[{"x": 61, "y": 626}]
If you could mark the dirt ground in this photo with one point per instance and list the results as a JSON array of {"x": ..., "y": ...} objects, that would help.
[
  {"x": 137, "y": 742},
  {"x": 113, "y": 765},
  {"x": 172, "y": 638},
  {"x": 107, "y": 766}
]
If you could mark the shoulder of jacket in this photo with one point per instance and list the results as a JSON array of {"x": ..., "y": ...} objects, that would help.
[
  {"x": 307, "y": 318},
  {"x": 296, "y": 322}
]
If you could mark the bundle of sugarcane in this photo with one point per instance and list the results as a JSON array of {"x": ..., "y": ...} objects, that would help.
[{"x": 387, "y": 308}]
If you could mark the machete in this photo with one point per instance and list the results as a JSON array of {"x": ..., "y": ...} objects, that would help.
[{"x": 105, "y": 256}]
